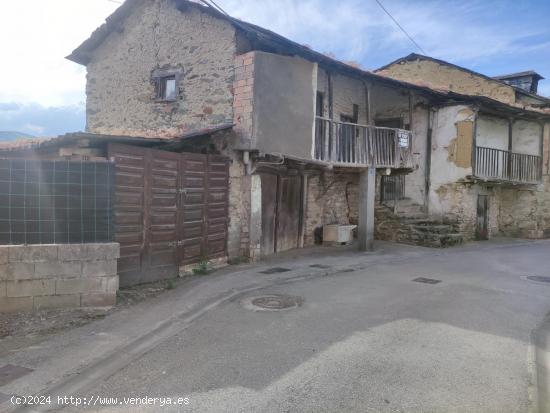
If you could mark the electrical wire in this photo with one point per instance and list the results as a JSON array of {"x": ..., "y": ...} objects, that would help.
[{"x": 401, "y": 27}]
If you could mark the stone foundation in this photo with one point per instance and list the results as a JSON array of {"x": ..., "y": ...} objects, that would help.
[{"x": 37, "y": 277}]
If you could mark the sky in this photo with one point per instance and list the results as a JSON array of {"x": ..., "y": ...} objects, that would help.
[{"x": 43, "y": 94}]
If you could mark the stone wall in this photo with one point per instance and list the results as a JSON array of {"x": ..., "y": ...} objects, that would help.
[
  {"x": 121, "y": 98},
  {"x": 240, "y": 196},
  {"x": 447, "y": 77},
  {"x": 525, "y": 212},
  {"x": 332, "y": 198},
  {"x": 36, "y": 277},
  {"x": 459, "y": 203}
]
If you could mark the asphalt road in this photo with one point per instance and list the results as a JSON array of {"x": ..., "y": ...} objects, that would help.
[{"x": 364, "y": 340}]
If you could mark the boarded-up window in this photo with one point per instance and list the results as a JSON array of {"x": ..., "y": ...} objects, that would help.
[{"x": 461, "y": 153}]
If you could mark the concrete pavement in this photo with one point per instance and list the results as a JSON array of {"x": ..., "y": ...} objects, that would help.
[{"x": 367, "y": 338}]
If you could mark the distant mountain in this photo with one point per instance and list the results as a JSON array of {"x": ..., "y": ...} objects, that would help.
[{"x": 13, "y": 136}]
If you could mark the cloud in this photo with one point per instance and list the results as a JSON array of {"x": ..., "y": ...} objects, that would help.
[
  {"x": 39, "y": 120},
  {"x": 490, "y": 36},
  {"x": 33, "y": 65}
]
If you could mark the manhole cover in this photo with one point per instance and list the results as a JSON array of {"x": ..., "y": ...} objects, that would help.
[
  {"x": 323, "y": 266},
  {"x": 9, "y": 372},
  {"x": 538, "y": 278},
  {"x": 426, "y": 280},
  {"x": 275, "y": 270},
  {"x": 272, "y": 302}
]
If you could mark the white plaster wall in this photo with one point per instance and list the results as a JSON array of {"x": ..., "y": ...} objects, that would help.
[
  {"x": 526, "y": 136},
  {"x": 492, "y": 132},
  {"x": 443, "y": 171}
]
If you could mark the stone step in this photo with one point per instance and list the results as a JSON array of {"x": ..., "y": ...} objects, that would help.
[
  {"x": 433, "y": 228},
  {"x": 410, "y": 225},
  {"x": 448, "y": 240},
  {"x": 418, "y": 220},
  {"x": 436, "y": 240}
]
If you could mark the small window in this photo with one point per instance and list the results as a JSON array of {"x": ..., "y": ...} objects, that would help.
[
  {"x": 167, "y": 83},
  {"x": 166, "y": 88}
]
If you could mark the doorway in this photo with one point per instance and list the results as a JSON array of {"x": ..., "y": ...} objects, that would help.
[
  {"x": 281, "y": 212},
  {"x": 482, "y": 224}
]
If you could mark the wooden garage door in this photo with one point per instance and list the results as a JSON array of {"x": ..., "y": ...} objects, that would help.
[{"x": 170, "y": 209}]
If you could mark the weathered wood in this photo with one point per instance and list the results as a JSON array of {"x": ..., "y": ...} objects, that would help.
[
  {"x": 171, "y": 210},
  {"x": 352, "y": 144},
  {"x": 498, "y": 164}
]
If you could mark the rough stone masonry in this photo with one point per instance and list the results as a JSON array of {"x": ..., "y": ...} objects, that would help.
[{"x": 36, "y": 277}]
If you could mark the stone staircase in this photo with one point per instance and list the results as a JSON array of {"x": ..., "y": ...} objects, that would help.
[{"x": 409, "y": 224}]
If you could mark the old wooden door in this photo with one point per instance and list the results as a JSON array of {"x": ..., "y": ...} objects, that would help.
[
  {"x": 482, "y": 225},
  {"x": 270, "y": 184},
  {"x": 171, "y": 209},
  {"x": 281, "y": 212},
  {"x": 146, "y": 207},
  {"x": 204, "y": 207},
  {"x": 289, "y": 212}
]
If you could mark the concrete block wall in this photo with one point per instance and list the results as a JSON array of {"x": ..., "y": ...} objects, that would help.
[{"x": 37, "y": 277}]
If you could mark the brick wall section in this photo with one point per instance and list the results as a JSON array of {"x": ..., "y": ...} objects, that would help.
[
  {"x": 243, "y": 89},
  {"x": 36, "y": 277}
]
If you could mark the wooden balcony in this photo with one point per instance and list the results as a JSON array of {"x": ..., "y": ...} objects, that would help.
[
  {"x": 505, "y": 166},
  {"x": 352, "y": 145}
]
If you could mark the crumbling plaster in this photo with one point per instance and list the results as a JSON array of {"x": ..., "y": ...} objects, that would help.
[{"x": 448, "y": 78}]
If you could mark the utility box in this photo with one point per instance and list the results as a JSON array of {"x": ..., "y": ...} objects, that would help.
[{"x": 338, "y": 234}]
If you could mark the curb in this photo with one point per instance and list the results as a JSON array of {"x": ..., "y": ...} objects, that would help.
[{"x": 541, "y": 343}]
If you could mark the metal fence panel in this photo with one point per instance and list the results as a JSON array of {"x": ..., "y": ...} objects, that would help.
[{"x": 50, "y": 202}]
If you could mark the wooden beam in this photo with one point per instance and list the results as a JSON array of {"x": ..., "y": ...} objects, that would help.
[
  {"x": 330, "y": 96},
  {"x": 411, "y": 111},
  {"x": 474, "y": 143},
  {"x": 428, "y": 162}
]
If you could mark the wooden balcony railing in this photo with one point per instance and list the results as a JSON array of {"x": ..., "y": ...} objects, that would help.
[
  {"x": 353, "y": 145},
  {"x": 498, "y": 164}
]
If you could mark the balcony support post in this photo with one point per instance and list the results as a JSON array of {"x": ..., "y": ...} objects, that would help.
[{"x": 367, "y": 184}]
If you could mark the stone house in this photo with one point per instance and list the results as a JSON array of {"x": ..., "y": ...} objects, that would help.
[
  {"x": 304, "y": 125},
  {"x": 244, "y": 143},
  {"x": 490, "y": 169}
]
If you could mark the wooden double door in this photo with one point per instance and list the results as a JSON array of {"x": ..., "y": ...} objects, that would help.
[
  {"x": 171, "y": 209},
  {"x": 282, "y": 212}
]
